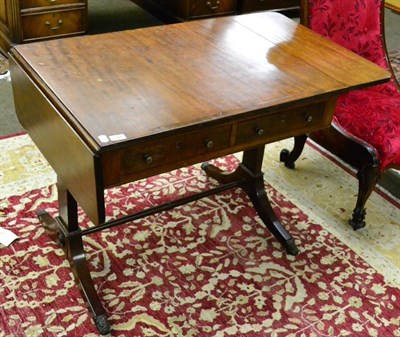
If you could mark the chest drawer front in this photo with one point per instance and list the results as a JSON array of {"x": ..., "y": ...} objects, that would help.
[
  {"x": 284, "y": 124},
  {"x": 53, "y": 24},
  {"x": 174, "y": 149},
  {"x": 249, "y": 6},
  {"x": 44, "y": 3},
  {"x": 200, "y": 8}
]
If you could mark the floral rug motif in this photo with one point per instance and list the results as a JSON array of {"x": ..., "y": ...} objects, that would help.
[{"x": 208, "y": 268}]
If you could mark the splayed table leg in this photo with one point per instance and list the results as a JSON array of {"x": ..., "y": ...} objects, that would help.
[
  {"x": 64, "y": 230},
  {"x": 249, "y": 171}
]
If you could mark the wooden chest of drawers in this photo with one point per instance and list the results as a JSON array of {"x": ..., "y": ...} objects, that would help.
[
  {"x": 248, "y": 6},
  {"x": 24, "y": 21},
  {"x": 31, "y": 20},
  {"x": 183, "y": 10},
  {"x": 195, "y": 9}
]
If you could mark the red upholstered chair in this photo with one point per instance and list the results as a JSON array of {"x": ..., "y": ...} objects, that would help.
[{"x": 365, "y": 131}]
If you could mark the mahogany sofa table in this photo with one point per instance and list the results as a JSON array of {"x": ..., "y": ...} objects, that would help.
[{"x": 114, "y": 108}]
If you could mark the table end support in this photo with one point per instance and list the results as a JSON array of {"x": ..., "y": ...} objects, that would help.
[
  {"x": 72, "y": 245},
  {"x": 51, "y": 228},
  {"x": 251, "y": 177},
  {"x": 254, "y": 188}
]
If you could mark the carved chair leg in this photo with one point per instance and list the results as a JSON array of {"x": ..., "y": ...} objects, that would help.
[
  {"x": 368, "y": 177},
  {"x": 289, "y": 157}
]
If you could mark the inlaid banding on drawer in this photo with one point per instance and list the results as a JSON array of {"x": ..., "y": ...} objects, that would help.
[
  {"x": 176, "y": 148},
  {"x": 283, "y": 124}
]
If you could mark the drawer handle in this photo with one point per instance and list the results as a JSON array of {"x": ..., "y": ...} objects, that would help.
[
  {"x": 260, "y": 131},
  {"x": 148, "y": 159},
  {"x": 209, "y": 144},
  {"x": 309, "y": 118},
  {"x": 213, "y": 7},
  {"x": 48, "y": 25}
]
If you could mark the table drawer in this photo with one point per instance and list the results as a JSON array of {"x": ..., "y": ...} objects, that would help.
[
  {"x": 199, "y": 8},
  {"x": 249, "y": 6},
  {"x": 53, "y": 24},
  {"x": 176, "y": 148},
  {"x": 44, "y": 3},
  {"x": 283, "y": 124}
]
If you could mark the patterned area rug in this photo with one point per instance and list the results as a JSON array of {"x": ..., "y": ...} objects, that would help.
[{"x": 209, "y": 268}]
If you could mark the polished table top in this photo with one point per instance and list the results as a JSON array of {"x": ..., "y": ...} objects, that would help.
[{"x": 160, "y": 79}]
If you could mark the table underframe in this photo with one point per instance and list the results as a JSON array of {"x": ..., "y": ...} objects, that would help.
[{"x": 65, "y": 229}]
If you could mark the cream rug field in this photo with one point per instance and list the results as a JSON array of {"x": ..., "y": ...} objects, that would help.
[{"x": 326, "y": 189}]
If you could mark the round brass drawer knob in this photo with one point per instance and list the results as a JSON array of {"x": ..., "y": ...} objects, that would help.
[
  {"x": 309, "y": 118},
  {"x": 148, "y": 159},
  {"x": 209, "y": 144},
  {"x": 260, "y": 131}
]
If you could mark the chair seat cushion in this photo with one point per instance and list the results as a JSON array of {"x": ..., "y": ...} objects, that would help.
[{"x": 374, "y": 117}]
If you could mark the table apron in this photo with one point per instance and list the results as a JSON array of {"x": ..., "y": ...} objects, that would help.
[{"x": 185, "y": 148}]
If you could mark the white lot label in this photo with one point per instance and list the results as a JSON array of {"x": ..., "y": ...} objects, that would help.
[{"x": 6, "y": 237}]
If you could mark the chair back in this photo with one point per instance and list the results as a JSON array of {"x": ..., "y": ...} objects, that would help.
[{"x": 357, "y": 25}]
